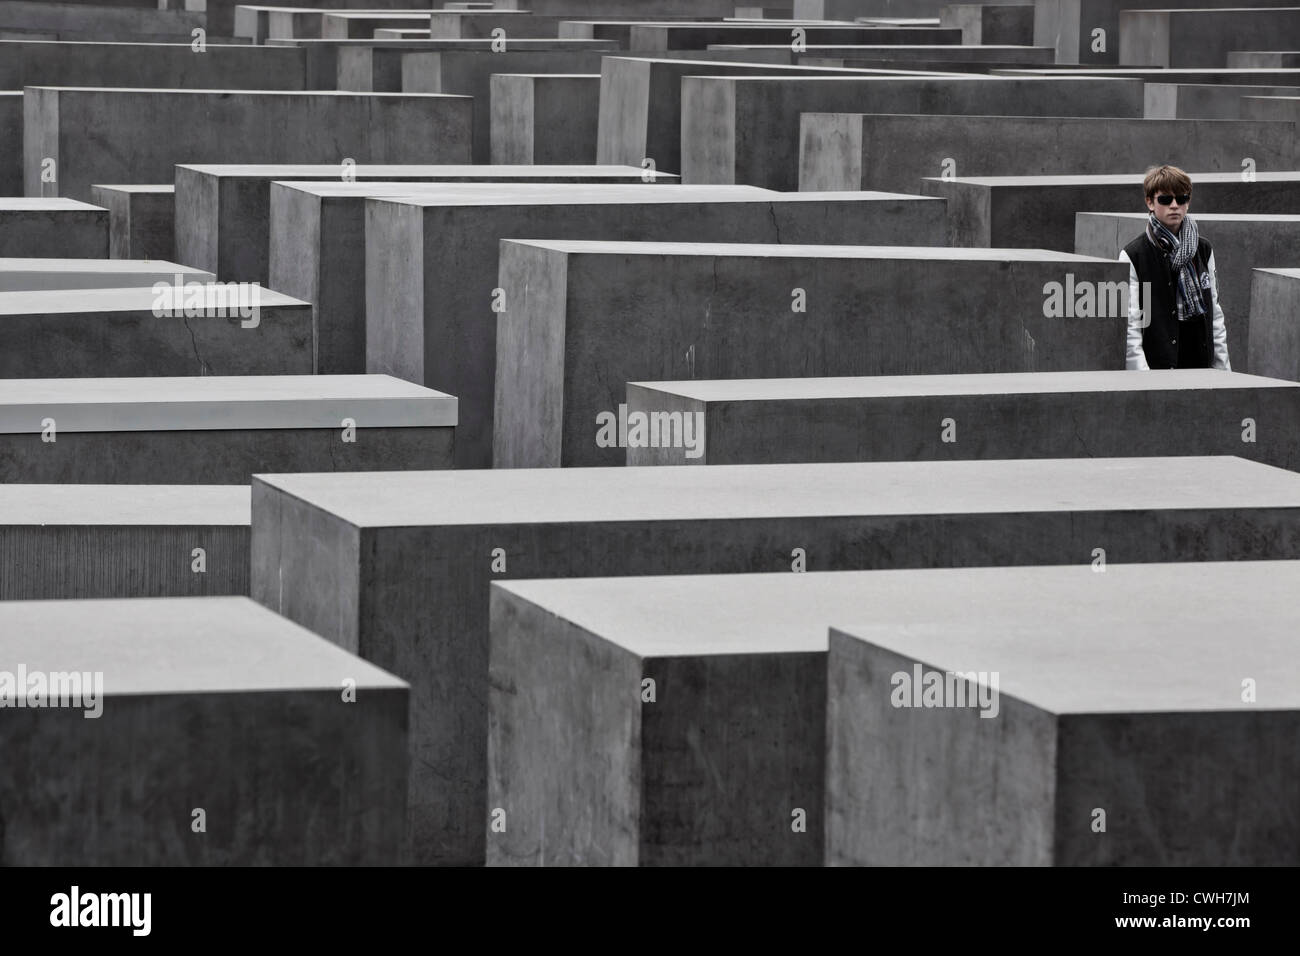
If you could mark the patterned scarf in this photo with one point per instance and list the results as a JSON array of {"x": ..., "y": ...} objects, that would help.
[{"x": 1180, "y": 249}]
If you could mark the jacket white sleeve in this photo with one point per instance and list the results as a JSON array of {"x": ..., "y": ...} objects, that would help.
[
  {"x": 1220, "y": 328},
  {"x": 1135, "y": 357}
]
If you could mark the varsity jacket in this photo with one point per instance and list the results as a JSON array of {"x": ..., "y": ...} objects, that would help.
[{"x": 1156, "y": 345}]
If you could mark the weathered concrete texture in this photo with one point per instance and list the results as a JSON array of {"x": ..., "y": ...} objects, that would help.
[
  {"x": 107, "y": 24},
  {"x": 893, "y": 152},
  {"x": 22, "y": 275},
  {"x": 1263, "y": 59},
  {"x": 1133, "y": 702},
  {"x": 680, "y": 37},
  {"x": 1004, "y": 22},
  {"x": 66, "y": 542},
  {"x": 1039, "y": 211},
  {"x": 1241, "y": 243},
  {"x": 1275, "y": 108},
  {"x": 395, "y": 566},
  {"x": 431, "y": 314},
  {"x": 746, "y": 129},
  {"x": 11, "y": 143},
  {"x": 98, "y": 136},
  {"x": 641, "y": 104},
  {"x": 715, "y": 769},
  {"x": 223, "y": 211},
  {"x": 206, "y": 702},
  {"x": 470, "y": 73},
  {"x": 378, "y": 67},
  {"x": 52, "y": 227},
  {"x": 141, "y": 220},
  {"x": 1069, "y": 25},
  {"x": 991, "y": 52},
  {"x": 219, "y": 430},
  {"x": 544, "y": 117},
  {"x": 1190, "y": 38},
  {"x": 318, "y": 245},
  {"x": 1009, "y": 415},
  {"x": 851, "y": 9},
  {"x": 88, "y": 333},
  {"x": 1197, "y": 101},
  {"x": 31, "y": 63},
  {"x": 571, "y": 335},
  {"x": 1275, "y": 323}
]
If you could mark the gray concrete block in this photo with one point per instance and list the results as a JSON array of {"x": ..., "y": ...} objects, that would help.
[
  {"x": 1004, "y": 22},
  {"x": 141, "y": 220},
  {"x": 716, "y": 770},
  {"x": 1070, "y": 25},
  {"x": 746, "y": 129},
  {"x": 1263, "y": 60},
  {"x": 52, "y": 227},
  {"x": 430, "y": 314},
  {"x": 571, "y": 336},
  {"x": 1241, "y": 243},
  {"x": 101, "y": 23},
  {"x": 1039, "y": 211},
  {"x": 223, "y": 211},
  {"x": 893, "y": 152},
  {"x": 362, "y": 24},
  {"x": 1188, "y": 769},
  {"x": 223, "y": 14},
  {"x": 469, "y": 73},
  {"x": 89, "y": 333},
  {"x": 395, "y": 566},
  {"x": 211, "y": 703},
  {"x": 71, "y": 542},
  {"x": 978, "y": 416},
  {"x": 989, "y": 52},
  {"x": 680, "y": 37},
  {"x": 30, "y": 275},
  {"x": 850, "y": 9},
  {"x": 11, "y": 143},
  {"x": 1214, "y": 74},
  {"x": 544, "y": 117},
  {"x": 1197, "y": 101},
  {"x": 1191, "y": 38},
  {"x": 318, "y": 243},
  {"x": 1278, "y": 109},
  {"x": 217, "y": 429},
  {"x": 98, "y": 136},
  {"x": 480, "y": 24},
  {"x": 222, "y": 67},
  {"x": 1275, "y": 323},
  {"x": 456, "y": 66},
  {"x": 641, "y": 103}
]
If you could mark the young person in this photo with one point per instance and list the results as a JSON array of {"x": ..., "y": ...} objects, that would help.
[{"x": 1186, "y": 327}]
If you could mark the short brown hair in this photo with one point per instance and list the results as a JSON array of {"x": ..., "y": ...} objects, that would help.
[{"x": 1166, "y": 179}]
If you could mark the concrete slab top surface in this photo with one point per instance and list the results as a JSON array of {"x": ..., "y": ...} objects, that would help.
[
  {"x": 177, "y": 646},
  {"x": 866, "y": 47},
  {"x": 220, "y": 402},
  {"x": 1288, "y": 273},
  {"x": 1112, "y": 179},
  {"x": 125, "y": 505},
  {"x": 137, "y": 188},
  {"x": 239, "y": 93},
  {"x": 1138, "y": 638},
  {"x": 372, "y": 171},
  {"x": 902, "y": 386},
  {"x": 557, "y": 495},
  {"x": 143, "y": 298},
  {"x": 453, "y": 44},
  {"x": 45, "y": 204},
  {"x": 562, "y": 194},
  {"x": 115, "y": 267},
  {"x": 1173, "y": 72},
  {"x": 759, "y": 250},
  {"x": 1210, "y": 216}
]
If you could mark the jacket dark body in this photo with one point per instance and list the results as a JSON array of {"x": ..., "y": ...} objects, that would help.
[{"x": 1160, "y": 337}]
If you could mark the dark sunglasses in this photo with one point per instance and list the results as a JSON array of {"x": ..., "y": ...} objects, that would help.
[{"x": 1183, "y": 199}]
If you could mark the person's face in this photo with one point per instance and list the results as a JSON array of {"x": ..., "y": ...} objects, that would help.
[{"x": 1170, "y": 216}]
